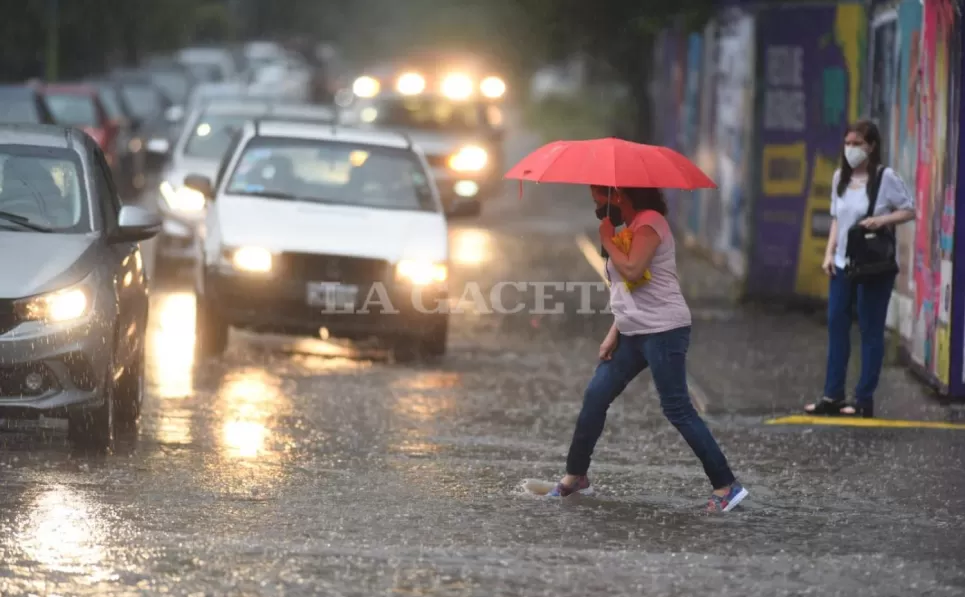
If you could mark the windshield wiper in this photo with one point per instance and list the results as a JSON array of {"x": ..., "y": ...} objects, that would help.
[
  {"x": 270, "y": 195},
  {"x": 23, "y": 221}
]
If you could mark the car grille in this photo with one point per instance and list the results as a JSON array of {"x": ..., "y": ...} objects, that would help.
[
  {"x": 8, "y": 317},
  {"x": 332, "y": 268}
]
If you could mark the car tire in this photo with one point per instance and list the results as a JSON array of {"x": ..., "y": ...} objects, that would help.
[
  {"x": 129, "y": 395},
  {"x": 94, "y": 428},
  {"x": 211, "y": 331},
  {"x": 434, "y": 343}
]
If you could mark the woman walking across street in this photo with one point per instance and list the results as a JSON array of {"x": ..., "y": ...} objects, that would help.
[
  {"x": 853, "y": 184},
  {"x": 651, "y": 327}
]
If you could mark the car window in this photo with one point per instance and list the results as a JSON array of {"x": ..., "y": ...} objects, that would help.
[
  {"x": 332, "y": 172},
  {"x": 211, "y": 135},
  {"x": 111, "y": 104},
  {"x": 72, "y": 110},
  {"x": 143, "y": 100},
  {"x": 425, "y": 113},
  {"x": 226, "y": 159},
  {"x": 17, "y": 110},
  {"x": 45, "y": 186}
]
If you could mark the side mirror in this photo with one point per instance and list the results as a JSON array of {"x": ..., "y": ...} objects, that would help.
[
  {"x": 201, "y": 184},
  {"x": 159, "y": 146},
  {"x": 136, "y": 224}
]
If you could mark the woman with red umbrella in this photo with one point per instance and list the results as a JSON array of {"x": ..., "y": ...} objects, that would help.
[{"x": 652, "y": 321}]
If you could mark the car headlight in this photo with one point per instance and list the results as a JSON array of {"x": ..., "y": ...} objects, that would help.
[
  {"x": 183, "y": 198},
  {"x": 411, "y": 84},
  {"x": 420, "y": 272},
  {"x": 469, "y": 159},
  {"x": 55, "y": 307},
  {"x": 252, "y": 259},
  {"x": 457, "y": 86},
  {"x": 493, "y": 87},
  {"x": 366, "y": 87}
]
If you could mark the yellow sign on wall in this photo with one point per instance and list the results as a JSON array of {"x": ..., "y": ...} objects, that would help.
[{"x": 815, "y": 228}]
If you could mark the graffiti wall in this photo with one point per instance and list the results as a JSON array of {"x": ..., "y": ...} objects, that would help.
[
  {"x": 935, "y": 188},
  {"x": 812, "y": 58}
]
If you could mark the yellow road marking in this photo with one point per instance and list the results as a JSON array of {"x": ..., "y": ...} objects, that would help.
[
  {"x": 592, "y": 254},
  {"x": 846, "y": 421}
]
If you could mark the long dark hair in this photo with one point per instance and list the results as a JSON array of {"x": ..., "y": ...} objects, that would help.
[
  {"x": 641, "y": 199},
  {"x": 869, "y": 132}
]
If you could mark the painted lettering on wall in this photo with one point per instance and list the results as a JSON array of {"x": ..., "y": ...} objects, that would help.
[
  {"x": 784, "y": 99},
  {"x": 784, "y": 169}
]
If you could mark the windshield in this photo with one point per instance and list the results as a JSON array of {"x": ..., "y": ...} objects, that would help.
[
  {"x": 72, "y": 110},
  {"x": 329, "y": 172},
  {"x": 18, "y": 110},
  {"x": 173, "y": 84},
  {"x": 44, "y": 187},
  {"x": 143, "y": 100},
  {"x": 427, "y": 114},
  {"x": 212, "y": 135}
]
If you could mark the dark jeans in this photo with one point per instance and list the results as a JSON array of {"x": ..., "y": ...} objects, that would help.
[
  {"x": 872, "y": 298},
  {"x": 666, "y": 355}
]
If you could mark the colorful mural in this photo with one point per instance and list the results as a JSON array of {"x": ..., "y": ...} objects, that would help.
[
  {"x": 734, "y": 122},
  {"x": 935, "y": 189},
  {"x": 812, "y": 58}
]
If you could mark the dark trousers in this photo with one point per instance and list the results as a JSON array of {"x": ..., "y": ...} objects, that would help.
[
  {"x": 666, "y": 355},
  {"x": 872, "y": 298}
]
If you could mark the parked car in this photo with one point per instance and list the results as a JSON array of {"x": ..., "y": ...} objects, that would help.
[
  {"x": 200, "y": 149},
  {"x": 79, "y": 106},
  {"x": 74, "y": 293},
  {"x": 305, "y": 222},
  {"x": 23, "y": 104}
]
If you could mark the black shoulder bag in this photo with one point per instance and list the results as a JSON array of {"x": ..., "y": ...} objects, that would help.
[{"x": 871, "y": 253}]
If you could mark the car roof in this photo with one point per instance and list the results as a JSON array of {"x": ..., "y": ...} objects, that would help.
[
  {"x": 41, "y": 135},
  {"x": 327, "y": 132},
  {"x": 18, "y": 90}
]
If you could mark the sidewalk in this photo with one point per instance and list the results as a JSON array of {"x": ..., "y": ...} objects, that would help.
[{"x": 756, "y": 359}]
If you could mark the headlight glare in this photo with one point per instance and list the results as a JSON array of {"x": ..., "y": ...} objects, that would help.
[
  {"x": 252, "y": 259},
  {"x": 469, "y": 159},
  {"x": 183, "y": 198},
  {"x": 411, "y": 84},
  {"x": 366, "y": 87},
  {"x": 457, "y": 86},
  {"x": 421, "y": 273},
  {"x": 493, "y": 87},
  {"x": 55, "y": 307}
]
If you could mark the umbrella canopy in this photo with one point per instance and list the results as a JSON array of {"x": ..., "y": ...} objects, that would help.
[{"x": 610, "y": 162}]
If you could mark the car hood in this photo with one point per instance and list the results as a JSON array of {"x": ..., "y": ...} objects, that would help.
[
  {"x": 185, "y": 166},
  {"x": 38, "y": 262},
  {"x": 301, "y": 227}
]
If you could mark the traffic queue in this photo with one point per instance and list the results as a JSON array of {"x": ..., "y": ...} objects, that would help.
[{"x": 288, "y": 214}]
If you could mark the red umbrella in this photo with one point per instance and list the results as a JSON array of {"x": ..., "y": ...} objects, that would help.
[{"x": 610, "y": 162}]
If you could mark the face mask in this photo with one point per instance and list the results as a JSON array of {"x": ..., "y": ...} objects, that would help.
[
  {"x": 616, "y": 218},
  {"x": 855, "y": 155}
]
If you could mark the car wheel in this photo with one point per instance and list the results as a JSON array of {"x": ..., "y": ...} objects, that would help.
[
  {"x": 130, "y": 391},
  {"x": 94, "y": 428},
  {"x": 211, "y": 331},
  {"x": 434, "y": 343}
]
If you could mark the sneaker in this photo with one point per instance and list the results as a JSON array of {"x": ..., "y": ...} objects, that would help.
[
  {"x": 726, "y": 503},
  {"x": 582, "y": 487}
]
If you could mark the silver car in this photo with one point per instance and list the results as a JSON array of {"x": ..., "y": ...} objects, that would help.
[
  {"x": 204, "y": 141},
  {"x": 74, "y": 293}
]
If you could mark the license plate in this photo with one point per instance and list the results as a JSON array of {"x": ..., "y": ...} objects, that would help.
[{"x": 331, "y": 296}]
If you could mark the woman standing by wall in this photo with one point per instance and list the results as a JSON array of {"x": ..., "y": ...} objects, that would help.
[{"x": 860, "y": 160}]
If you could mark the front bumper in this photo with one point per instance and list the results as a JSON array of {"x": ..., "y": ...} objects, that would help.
[
  {"x": 178, "y": 231},
  {"x": 279, "y": 305},
  {"x": 73, "y": 360},
  {"x": 455, "y": 188}
]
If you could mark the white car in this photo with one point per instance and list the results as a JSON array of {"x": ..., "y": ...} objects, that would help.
[
  {"x": 316, "y": 228},
  {"x": 204, "y": 141}
]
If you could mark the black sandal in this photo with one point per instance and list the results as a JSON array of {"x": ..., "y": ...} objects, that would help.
[{"x": 829, "y": 407}]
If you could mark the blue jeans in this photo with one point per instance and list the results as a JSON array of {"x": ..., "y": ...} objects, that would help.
[
  {"x": 872, "y": 298},
  {"x": 666, "y": 355}
]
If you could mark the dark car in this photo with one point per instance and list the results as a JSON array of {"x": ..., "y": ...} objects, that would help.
[
  {"x": 130, "y": 143},
  {"x": 80, "y": 106},
  {"x": 23, "y": 104},
  {"x": 74, "y": 292}
]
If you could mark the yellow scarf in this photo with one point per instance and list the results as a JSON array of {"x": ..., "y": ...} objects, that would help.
[{"x": 622, "y": 240}]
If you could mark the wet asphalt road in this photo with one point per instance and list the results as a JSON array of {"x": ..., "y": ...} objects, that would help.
[{"x": 297, "y": 467}]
